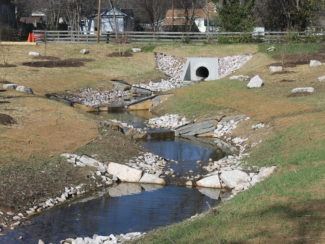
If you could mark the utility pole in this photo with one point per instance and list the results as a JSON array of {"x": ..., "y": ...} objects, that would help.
[
  {"x": 208, "y": 15},
  {"x": 99, "y": 20},
  {"x": 173, "y": 9}
]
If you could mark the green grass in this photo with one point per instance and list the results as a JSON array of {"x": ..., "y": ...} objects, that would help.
[
  {"x": 291, "y": 48},
  {"x": 194, "y": 101},
  {"x": 297, "y": 145}
]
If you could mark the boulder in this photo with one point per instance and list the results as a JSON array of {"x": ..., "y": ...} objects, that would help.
[
  {"x": 124, "y": 173},
  {"x": 34, "y": 54},
  {"x": 141, "y": 91},
  {"x": 240, "y": 77},
  {"x": 321, "y": 79},
  {"x": 271, "y": 49},
  {"x": 212, "y": 181},
  {"x": 315, "y": 63},
  {"x": 196, "y": 128},
  {"x": 120, "y": 85},
  {"x": 88, "y": 161},
  {"x": 9, "y": 86},
  {"x": 24, "y": 89},
  {"x": 234, "y": 178},
  {"x": 136, "y": 134},
  {"x": 264, "y": 173},
  {"x": 303, "y": 90},
  {"x": 189, "y": 183},
  {"x": 136, "y": 50},
  {"x": 255, "y": 82},
  {"x": 84, "y": 51},
  {"x": 275, "y": 69},
  {"x": 152, "y": 179},
  {"x": 226, "y": 147}
]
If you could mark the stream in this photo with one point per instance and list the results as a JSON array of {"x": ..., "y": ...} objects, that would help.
[
  {"x": 144, "y": 208},
  {"x": 127, "y": 207}
]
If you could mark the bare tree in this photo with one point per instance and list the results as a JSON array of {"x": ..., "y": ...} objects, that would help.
[{"x": 155, "y": 9}]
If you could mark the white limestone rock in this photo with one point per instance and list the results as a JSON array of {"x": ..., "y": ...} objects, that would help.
[
  {"x": 321, "y": 79},
  {"x": 240, "y": 77},
  {"x": 264, "y": 173},
  {"x": 315, "y": 63},
  {"x": 124, "y": 173},
  {"x": 152, "y": 179},
  {"x": 136, "y": 50},
  {"x": 212, "y": 181},
  {"x": 271, "y": 49},
  {"x": 34, "y": 54},
  {"x": 255, "y": 82},
  {"x": 303, "y": 90},
  {"x": 258, "y": 126},
  {"x": 275, "y": 69},
  {"x": 88, "y": 161},
  {"x": 84, "y": 51},
  {"x": 9, "y": 86},
  {"x": 24, "y": 89},
  {"x": 234, "y": 178}
]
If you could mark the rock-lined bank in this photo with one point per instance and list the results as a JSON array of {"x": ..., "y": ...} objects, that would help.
[
  {"x": 146, "y": 168},
  {"x": 229, "y": 172},
  {"x": 111, "y": 239}
]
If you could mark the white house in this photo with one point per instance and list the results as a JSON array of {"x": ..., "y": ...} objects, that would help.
[{"x": 123, "y": 21}]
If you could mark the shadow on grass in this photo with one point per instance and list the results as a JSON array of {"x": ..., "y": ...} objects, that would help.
[{"x": 306, "y": 218}]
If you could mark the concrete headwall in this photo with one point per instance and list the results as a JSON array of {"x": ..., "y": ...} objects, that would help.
[{"x": 198, "y": 69}]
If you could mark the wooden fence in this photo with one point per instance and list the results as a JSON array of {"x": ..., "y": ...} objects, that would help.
[{"x": 222, "y": 37}]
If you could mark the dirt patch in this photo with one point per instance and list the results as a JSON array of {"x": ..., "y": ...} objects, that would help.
[
  {"x": 7, "y": 65},
  {"x": 120, "y": 55},
  {"x": 67, "y": 63},
  {"x": 286, "y": 80},
  {"x": 292, "y": 60},
  {"x": 7, "y": 120},
  {"x": 50, "y": 58}
]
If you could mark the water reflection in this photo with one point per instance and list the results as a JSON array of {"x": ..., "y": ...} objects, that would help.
[{"x": 186, "y": 152}]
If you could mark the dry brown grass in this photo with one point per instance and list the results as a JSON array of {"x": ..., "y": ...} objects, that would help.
[
  {"x": 98, "y": 73},
  {"x": 43, "y": 128},
  {"x": 203, "y": 50}
]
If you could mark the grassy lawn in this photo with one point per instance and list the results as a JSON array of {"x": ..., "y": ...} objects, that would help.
[{"x": 289, "y": 206}]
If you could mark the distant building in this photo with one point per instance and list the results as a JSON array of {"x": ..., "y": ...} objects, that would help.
[
  {"x": 201, "y": 19},
  {"x": 7, "y": 13},
  {"x": 113, "y": 20}
]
